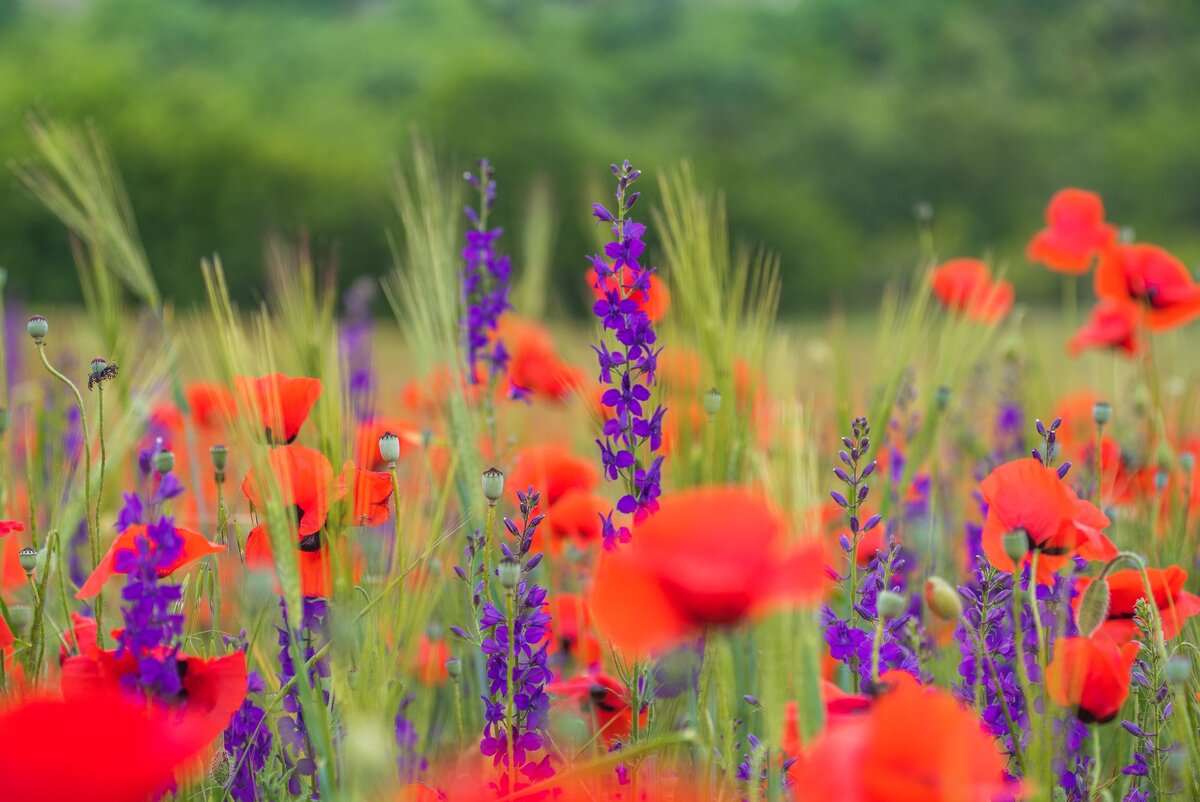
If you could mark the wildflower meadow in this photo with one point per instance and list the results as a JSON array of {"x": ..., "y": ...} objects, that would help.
[{"x": 408, "y": 541}]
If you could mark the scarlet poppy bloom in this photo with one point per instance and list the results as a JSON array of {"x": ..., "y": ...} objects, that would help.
[
  {"x": 195, "y": 547},
  {"x": 655, "y": 300},
  {"x": 429, "y": 664},
  {"x": 8, "y": 527},
  {"x": 553, "y": 470},
  {"x": 369, "y": 493},
  {"x": 1091, "y": 676},
  {"x": 80, "y": 639},
  {"x": 604, "y": 700},
  {"x": 575, "y": 517},
  {"x": 1075, "y": 232},
  {"x": 710, "y": 557},
  {"x": 1026, "y": 495},
  {"x": 1152, "y": 277},
  {"x": 570, "y": 632},
  {"x": 212, "y": 405},
  {"x": 966, "y": 286},
  {"x": 212, "y": 689},
  {"x": 1112, "y": 324},
  {"x": 914, "y": 744},
  {"x": 283, "y": 403},
  {"x": 120, "y": 750},
  {"x": 534, "y": 362},
  {"x": 1175, "y": 605}
]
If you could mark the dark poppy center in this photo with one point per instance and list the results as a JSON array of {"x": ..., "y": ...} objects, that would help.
[
  {"x": 599, "y": 696},
  {"x": 311, "y": 542}
]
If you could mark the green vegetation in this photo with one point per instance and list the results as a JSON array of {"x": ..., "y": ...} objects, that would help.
[{"x": 825, "y": 121}]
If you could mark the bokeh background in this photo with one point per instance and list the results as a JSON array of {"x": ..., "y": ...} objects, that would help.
[{"x": 824, "y": 121}]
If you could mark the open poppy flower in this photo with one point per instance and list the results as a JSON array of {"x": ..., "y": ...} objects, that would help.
[
  {"x": 551, "y": 469},
  {"x": 195, "y": 547},
  {"x": 604, "y": 700},
  {"x": 120, "y": 750},
  {"x": 212, "y": 689},
  {"x": 1112, "y": 324},
  {"x": 966, "y": 286},
  {"x": 369, "y": 492},
  {"x": 1075, "y": 232},
  {"x": 570, "y": 632},
  {"x": 80, "y": 639},
  {"x": 534, "y": 363},
  {"x": 1153, "y": 278},
  {"x": 212, "y": 405},
  {"x": 654, "y": 300},
  {"x": 710, "y": 557},
  {"x": 1091, "y": 677},
  {"x": 575, "y": 517},
  {"x": 1026, "y": 495},
  {"x": 913, "y": 744},
  {"x": 1175, "y": 605},
  {"x": 283, "y": 403}
]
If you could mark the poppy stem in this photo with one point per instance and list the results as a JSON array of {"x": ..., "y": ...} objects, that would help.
[
  {"x": 875, "y": 647},
  {"x": 489, "y": 535},
  {"x": 509, "y": 717}
]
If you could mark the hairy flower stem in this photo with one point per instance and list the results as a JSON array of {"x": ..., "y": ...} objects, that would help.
[
  {"x": 489, "y": 535},
  {"x": 509, "y": 709},
  {"x": 103, "y": 453},
  {"x": 93, "y": 523}
]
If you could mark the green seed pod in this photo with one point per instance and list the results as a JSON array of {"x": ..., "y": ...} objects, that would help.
[
  {"x": 1016, "y": 545},
  {"x": 38, "y": 327},
  {"x": 389, "y": 448},
  {"x": 454, "y": 668},
  {"x": 712, "y": 402},
  {"x": 98, "y": 366},
  {"x": 493, "y": 484},
  {"x": 164, "y": 461},
  {"x": 509, "y": 573},
  {"x": 1093, "y": 607},
  {"x": 28, "y": 557},
  {"x": 220, "y": 457},
  {"x": 1102, "y": 413}
]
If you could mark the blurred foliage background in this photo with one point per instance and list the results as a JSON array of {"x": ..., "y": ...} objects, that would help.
[{"x": 824, "y": 121}]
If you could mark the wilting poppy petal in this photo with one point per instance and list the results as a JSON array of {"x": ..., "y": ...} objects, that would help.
[
  {"x": 283, "y": 403},
  {"x": 1091, "y": 676},
  {"x": 195, "y": 547},
  {"x": 1075, "y": 232}
]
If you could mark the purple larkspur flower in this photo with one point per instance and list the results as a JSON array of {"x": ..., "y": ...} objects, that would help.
[
  {"x": 247, "y": 742},
  {"x": 152, "y": 630},
  {"x": 485, "y": 283}
]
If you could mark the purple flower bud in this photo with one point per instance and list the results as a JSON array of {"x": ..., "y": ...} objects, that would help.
[
  {"x": 844, "y": 542},
  {"x": 841, "y": 475},
  {"x": 839, "y": 499},
  {"x": 1063, "y": 470}
]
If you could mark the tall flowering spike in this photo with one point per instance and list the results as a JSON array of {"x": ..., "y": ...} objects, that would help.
[
  {"x": 152, "y": 628},
  {"x": 628, "y": 364},
  {"x": 247, "y": 742},
  {"x": 485, "y": 282},
  {"x": 292, "y": 728}
]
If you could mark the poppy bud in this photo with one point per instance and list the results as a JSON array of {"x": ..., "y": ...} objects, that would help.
[
  {"x": 890, "y": 604},
  {"x": 493, "y": 484},
  {"x": 1016, "y": 545},
  {"x": 1102, "y": 412},
  {"x": 220, "y": 457},
  {"x": 28, "y": 557},
  {"x": 389, "y": 448},
  {"x": 1179, "y": 670},
  {"x": 1187, "y": 461},
  {"x": 941, "y": 398},
  {"x": 453, "y": 668},
  {"x": 38, "y": 327},
  {"x": 712, "y": 402},
  {"x": 509, "y": 573},
  {"x": 1093, "y": 607},
  {"x": 943, "y": 599},
  {"x": 164, "y": 462}
]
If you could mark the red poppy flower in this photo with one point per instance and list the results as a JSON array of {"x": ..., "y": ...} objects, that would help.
[
  {"x": 6, "y": 636},
  {"x": 654, "y": 301},
  {"x": 1175, "y": 605},
  {"x": 1026, "y": 495},
  {"x": 1091, "y": 676},
  {"x": 212, "y": 405},
  {"x": 8, "y": 527},
  {"x": 120, "y": 751},
  {"x": 80, "y": 639},
  {"x": 1112, "y": 324},
  {"x": 369, "y": 492},
  {"x": 1075, "y": 232},
  {"x": 575, "y": 516},
  {"x": 195, "y": 547},
  {"x": 604, "y": 700},
  {"x": 551, "y": 469},
  {"x": 534, "y": 363},
  {"x": 1152, "y": 277},
  {"x": 966, "y": 286},
  {"x": 429, "y": 664},
  {"x": 283, "y": 403},
  {"x": 213, "y": 689},
  {"x": 914, "y": 744},
  {"x": 570, "y": 631},
  {"x": 710, "y": 557}
]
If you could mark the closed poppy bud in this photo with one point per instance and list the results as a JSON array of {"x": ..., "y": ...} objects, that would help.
[
  {"x": 1093, "y": 607},
  {"x": 509, "y": 573},
  {"x": 389, "y": 448},
  {"x": 1102, "y": 413},
  {"x": 493, "y": 484},
  {"x": 28, "y": 558},
  {"x": 164, "y": 461},
  {"x": 220, "y": 457},
  {"x": 712, "y": 402},
  {"x": 941, "y": 398},
  {"x": 891, "y": 605},
  {"x": 38, "y": 327},
  {"x": 453, "y": 668},
  {"x": 1179, "y": 670},
  {"x": 1016, "y": 545},
  {"x": 943, "y": 599}
]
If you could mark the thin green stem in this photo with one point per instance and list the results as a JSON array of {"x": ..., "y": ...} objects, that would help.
[{"x": 509, "y": 714}]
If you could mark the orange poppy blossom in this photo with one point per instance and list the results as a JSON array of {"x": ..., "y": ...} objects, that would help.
[
  {"x": 1175, "y": 605},
  {"x": 1091, "y": 676},
  {"x": 570, "y": 634},
  {"x": 966, "y": 286},
  {"x": 1113, "y": 324},
  {"x": 553, "y": 470},
  {"x": 429, "y": 661},
  {"x": 119, "y": 750},
  {"x": 575, "y": 517},
  {"x": 370, "y": 494},
  {"x": 79, "y": 639},
  {"x": 604, "y": 700},
  {"x": 195, "y": 547},
  {"x": 1028, "y": 496},
  {"x": 212, "y": 689},
  {"x": 1075, "y": 232},
  {"x": 912, "y": 744},
  {"x": 655, "y": 300},
  {"x": 283, "y": 403},
  {"x": 1150, "y": 276},
  {"x": 710, "y": 557},
  {"x": 534, "y": 363}
]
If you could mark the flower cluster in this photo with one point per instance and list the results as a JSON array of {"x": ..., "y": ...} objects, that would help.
[
  {"x": 485, "y": 281},
  {"x": 410, "y": 764},
  {"x": 154, "y": 489},
  {"x": 152, "y": 628},
  {"x": 247, "y": 744},
  {"x": 293, "y": 734},
  {"x": 516, "y": 706},
  {"x": 630, "y": 366}
]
